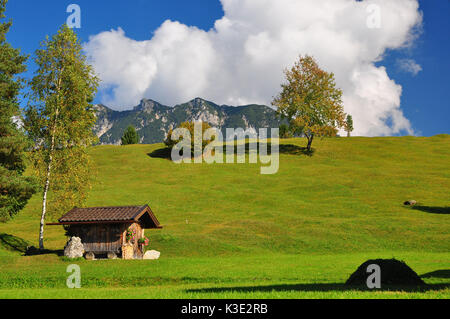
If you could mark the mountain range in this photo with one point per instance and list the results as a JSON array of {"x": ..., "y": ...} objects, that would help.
[{"x": 153, "y": 120}]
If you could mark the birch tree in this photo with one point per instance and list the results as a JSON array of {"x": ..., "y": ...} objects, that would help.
[{"x": 60, "y": 119}]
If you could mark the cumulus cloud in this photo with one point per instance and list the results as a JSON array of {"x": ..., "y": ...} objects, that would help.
[
  {"x": 409, "y": 66},
  {"x": 242, "y": 58}
]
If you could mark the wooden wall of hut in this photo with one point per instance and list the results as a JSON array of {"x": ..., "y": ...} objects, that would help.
[
  {"x": 103, "y": 238},
  {"x": 100, "y": 238}
]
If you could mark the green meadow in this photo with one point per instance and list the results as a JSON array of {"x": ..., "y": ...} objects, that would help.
[{"x": 230, "y": 232}]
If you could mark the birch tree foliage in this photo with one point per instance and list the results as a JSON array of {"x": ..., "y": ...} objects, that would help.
[
  {"x": 310, "y": 100},
  {"x": 60, "y": 120}
]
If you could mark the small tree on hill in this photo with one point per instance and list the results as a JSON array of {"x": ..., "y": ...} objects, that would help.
[
  {"x": 60, "y": 119},
  {"x": 349, "y": 125},
  {"x": 310, "y": 101},
  {"x": 15, "y": 189},
  {"x": 190, "y": 126},
  {"x": 130, "y": 137}
]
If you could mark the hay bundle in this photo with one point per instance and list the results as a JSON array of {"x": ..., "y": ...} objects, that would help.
[{"x": 393, "y": 273}]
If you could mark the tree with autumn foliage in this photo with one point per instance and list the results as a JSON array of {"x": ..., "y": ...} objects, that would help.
[
  {"x": 310, "y": 101},
  {"x": 60, "y": 120},
  {"x": 190, "y": 126}
]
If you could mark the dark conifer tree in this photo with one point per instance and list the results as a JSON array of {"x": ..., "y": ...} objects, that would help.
[
  {"x": 130, "y": 136},
  {"x": 15, "y": 189}
]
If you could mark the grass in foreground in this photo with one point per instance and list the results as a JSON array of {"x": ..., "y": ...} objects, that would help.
[
  {"x": 275, "y": 276},
  {"x": 297, "y": 234}
]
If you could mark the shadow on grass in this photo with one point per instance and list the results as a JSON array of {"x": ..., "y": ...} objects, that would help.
[
  {"x": 433, "y": 210},
  {"x": 296, "y": 150},
  {"x": 318, "y": 288},
  {"x": 11, "y": 242},
  {"x": 165, "y": 153},
  {"x": 14, "y": 243},
  {"x": 33, "y": 251},
  {"x": 444, "y": 273}
]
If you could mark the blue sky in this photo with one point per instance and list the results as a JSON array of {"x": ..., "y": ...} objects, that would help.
[{"x": 425, "y": 100}]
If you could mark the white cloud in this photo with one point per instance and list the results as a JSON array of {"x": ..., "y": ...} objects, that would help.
[
  {"x": 409, "y": 66},
  {"x": 241, "y": 59}
]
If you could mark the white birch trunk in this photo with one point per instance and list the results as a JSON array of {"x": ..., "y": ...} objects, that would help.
[
  {"x": 44, "y": 205},
  {"x": 47, "y": 180}
]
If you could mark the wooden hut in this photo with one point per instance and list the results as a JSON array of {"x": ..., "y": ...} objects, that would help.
[{"x": 104, "y": 230}]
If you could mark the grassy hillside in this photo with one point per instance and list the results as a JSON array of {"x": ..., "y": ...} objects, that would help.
[{"x": 313, "y": 222}]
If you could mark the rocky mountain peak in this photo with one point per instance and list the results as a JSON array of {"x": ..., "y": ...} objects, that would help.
[
  {"x": 147, "y": 106},
  {"x": 199, "y": 103},
  {"x": 153, "y": 120},
  {"x": 99, "y": 107}
]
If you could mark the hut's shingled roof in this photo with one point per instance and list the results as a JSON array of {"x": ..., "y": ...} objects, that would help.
[
  {"x": 111, "y": 214},
  {"x": 102, "y": 214}
]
